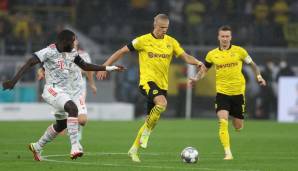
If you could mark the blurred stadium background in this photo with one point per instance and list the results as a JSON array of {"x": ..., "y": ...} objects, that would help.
[{"x": 268, "y": 29}]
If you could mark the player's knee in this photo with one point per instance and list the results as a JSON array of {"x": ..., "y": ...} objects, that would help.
[
  {"x": 82, "y": 120},
  {"x": 71, "y": 108},
  {"x": 162, "y": 104},
  {"x": 238, "y": 126},
  {"x": 60, "y": 125}
]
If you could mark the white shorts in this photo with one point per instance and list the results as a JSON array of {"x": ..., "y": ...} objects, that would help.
[{"x": 57, "y": 98}]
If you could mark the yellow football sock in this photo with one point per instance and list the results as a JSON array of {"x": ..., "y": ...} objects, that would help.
[
  {"x": 154, "y": 115},
  {"x": 136, "y": 143},
  {"x": 224, "y": 134}
]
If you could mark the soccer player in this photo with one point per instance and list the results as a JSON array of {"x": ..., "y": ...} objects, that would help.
[
  {"x": 230, "y": 83},
  {"x": 60, "y": 69},
  {"x": 155, "y": 51},
  {"x": 79, "y": 87}
]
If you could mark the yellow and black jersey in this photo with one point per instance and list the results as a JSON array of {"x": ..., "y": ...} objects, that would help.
[
  {"x": 228, "y": 67},
  {"x": 155, "y": 56}
]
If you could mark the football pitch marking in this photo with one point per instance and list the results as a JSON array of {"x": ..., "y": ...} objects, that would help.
[{"x": 47, "y": 159}]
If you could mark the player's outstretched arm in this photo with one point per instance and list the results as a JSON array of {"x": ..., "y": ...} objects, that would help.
[
  {"x": 259, "y": 77},
  {"x": 100, "y": 75},
  {"x": 192, "y": 60},
  {"x": 89, "y": 76},
  {"x": 93, "y": 67},
  {"x": 9, "y": 84}
]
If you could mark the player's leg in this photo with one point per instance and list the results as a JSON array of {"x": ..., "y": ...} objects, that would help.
[
  {"x": 237, "y": 111},
  {"x": 238, "y": 124},
  {"x": 157, "y": 104},
  {"x": 49, "y": 135},
  {"x": 133, "y": 151},
  {"x": 224, "y": 133},
  {"x": 51, "y": 96},
  {"x": 73, "y": 129},
  {"x": 82, "y": 122},
  {"x": 160, "y": 104},
  {"x": 222, "y": 110},
  {"x": 80, "y": 102}
]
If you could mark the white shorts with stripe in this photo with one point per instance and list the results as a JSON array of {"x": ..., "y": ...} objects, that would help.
[{"x": 57, "y": 99}]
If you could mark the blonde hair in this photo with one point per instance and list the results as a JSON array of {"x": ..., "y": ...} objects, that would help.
[{"x": 160, "y": 17}]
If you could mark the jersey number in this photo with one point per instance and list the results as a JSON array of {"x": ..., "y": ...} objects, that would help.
[{"x": 61, "y": 64}]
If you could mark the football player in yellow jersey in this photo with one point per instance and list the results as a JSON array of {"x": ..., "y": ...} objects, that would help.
[
  {"x": 230, "y": 83},
  {"x": 155, "y": 52}
]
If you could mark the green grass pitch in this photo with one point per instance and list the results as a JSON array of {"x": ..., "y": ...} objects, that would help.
[{"x": 261, "y": 146}]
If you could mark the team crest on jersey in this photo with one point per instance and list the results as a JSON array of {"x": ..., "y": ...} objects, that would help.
[
  {"x": 155, "y": 92},
  {"x": 169, "y": 46}
]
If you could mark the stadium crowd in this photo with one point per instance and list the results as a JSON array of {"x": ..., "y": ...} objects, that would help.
[
  {"x": 27, "y": 25},
  {"x": 23, "y": 22}
]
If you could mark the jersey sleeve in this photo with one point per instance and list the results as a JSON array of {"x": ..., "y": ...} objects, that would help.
[
  {"x": 178, "y": 50},
  {"x": 208, "y": 60},
  {"x": 245, "y": 56},
  {"x": 42, "y": 54},
  {"x": 85, "y": 56},
  {"x": 88, "y": 59},
  {"x": 137, "y": 44}
]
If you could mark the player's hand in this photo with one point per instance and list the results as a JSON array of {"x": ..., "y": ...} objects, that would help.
[
  {"x": 200, "y": 65},
  {"x": 8, "y": 85},
  {"x": 101, "y": 75},
  {"x": 261, "y": 81},
  {"x": 120, "y": 68},
  {"x": 40, "y": 74},
  {"x": 93, "y": 88},
  {"x": 191, "y": 82}
]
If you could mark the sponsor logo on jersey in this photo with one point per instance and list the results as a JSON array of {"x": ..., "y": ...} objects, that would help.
[
  {"x": 158, "y": 55},
  {"x": 155, "y": 92},
  {"x": 229, "y": 65}
]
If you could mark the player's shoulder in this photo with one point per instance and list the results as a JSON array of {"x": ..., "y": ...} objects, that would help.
[
  {"x": 170, "y": 38},
  {"x": 48, "y": 49},
  {"x": 237, "y": 47},
  {"x": 144, "y": 36},
  {"x": 85, "y": 55},
  {"x": 51, "y": 48},
  {"x": 213, "y": 51},
  {"x": 82, "y": 52}
]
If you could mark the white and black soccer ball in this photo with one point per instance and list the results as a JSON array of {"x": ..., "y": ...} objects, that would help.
[{"x": 190, "y": 155}]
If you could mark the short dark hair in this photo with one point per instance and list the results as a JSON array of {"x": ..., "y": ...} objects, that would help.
[
  {"x": 65, "y": 40},
  {"x": 225, "y": 28}
]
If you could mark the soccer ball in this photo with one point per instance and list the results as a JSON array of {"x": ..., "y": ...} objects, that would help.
[{"x": 190, "y": 155}]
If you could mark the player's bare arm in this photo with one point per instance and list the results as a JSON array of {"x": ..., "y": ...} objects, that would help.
[
  {"x": 191, "y": 60},
  {"x": 9, "y": 84},
  {"x": 40, "y": 74},
  {"x": 92, "y": 67},
  {"x": 100, "y": 75},
  {"x": 259, "y": 77},
  {"x": 89, "y": 76}
]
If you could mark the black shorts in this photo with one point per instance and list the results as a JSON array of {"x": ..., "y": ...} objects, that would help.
[
  {"x": 234, "y": 104},
  {"x": 151, "y": 91}
]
